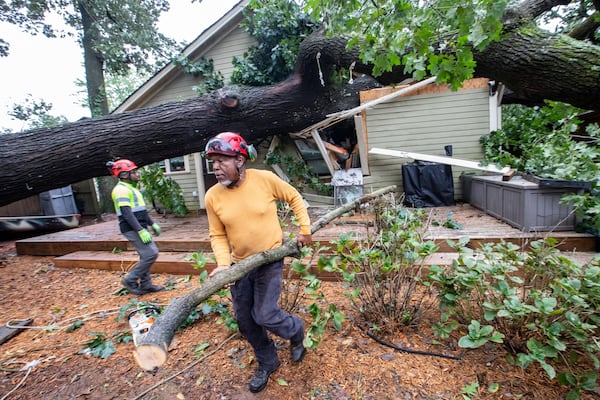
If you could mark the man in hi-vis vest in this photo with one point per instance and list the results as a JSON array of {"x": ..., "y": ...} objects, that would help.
[{"x": 134, "y": 221}]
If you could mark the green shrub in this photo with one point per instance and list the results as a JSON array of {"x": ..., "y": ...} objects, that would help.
[
  {"x": 540, "y": 141},
  {"x": 161, "y": 188},
  {"x": 383, "y": 268},
  {"x": 539, "y": 304}
]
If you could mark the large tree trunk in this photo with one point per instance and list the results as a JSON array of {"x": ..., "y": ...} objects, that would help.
[
  {"x": 44, "y": 159},
  {"x": 152, "y": 351},
  {"x": 537, "y": 66},
  {"x": 534, "y": 65}
]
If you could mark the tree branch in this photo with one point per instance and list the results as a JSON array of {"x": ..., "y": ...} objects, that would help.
[
  {"x": 586, "y": 29},
  {"x": 152, "y": 352},
  {"x": 528, "y": 10}
]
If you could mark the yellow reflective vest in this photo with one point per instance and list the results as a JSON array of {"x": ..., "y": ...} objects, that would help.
[{"x": 127, "y": 195}]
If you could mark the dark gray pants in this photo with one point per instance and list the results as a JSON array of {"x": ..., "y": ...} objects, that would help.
[
  {"x": 256, "y": 305},
  {"x": 148, "y": 254}
]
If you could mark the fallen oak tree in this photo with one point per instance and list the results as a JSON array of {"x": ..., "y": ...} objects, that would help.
[{"x": 152, "y": 351}]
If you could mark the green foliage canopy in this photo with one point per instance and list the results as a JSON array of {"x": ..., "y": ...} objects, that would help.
[
  {"x": 278, "y": 27},
  {"x": 125, "y": 30},
  {"x": 436, "y": 37}
]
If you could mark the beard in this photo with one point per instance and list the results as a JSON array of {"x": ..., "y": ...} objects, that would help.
[{"x": 229, "y": 182}]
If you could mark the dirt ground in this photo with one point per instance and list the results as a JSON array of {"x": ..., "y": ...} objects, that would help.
[{"x": 44, "y": 363}]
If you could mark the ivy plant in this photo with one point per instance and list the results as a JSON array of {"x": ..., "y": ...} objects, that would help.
[
  {"x": 212, "y": 80},
  {"x": 161, "y": 188}
]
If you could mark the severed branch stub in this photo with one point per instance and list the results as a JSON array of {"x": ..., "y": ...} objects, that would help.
[{"x": 152, "y": 351}]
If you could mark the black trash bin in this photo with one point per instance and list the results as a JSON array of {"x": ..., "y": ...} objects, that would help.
[{"x": 427, "y": 184}]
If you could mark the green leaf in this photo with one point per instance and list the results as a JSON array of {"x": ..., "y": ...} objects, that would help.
[
  {"x": 103, "y": 349},
  {"x": 75, "y": 325}
]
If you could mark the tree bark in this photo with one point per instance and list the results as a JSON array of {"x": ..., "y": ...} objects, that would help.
[
  {"x": 536, "y": 66},
  {"x": 152, "y": 352}
]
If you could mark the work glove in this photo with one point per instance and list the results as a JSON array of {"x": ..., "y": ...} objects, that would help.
[
  {"x": 156, "y": 229},
  {"x": 145, "y": 236}
]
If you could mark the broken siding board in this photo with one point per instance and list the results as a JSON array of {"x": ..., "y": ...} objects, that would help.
[
  {"x": 477, "y": 83},
  {"x": 317, "y": 138},
  {"x": 439, "y": 160},
  {"x": 361, "y": 138}
]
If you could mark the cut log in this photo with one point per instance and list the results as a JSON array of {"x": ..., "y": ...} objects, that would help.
[{"x": 152, "y": 352}]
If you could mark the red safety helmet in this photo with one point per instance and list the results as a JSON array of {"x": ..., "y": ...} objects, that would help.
[
  {"x": 119, "y": 166},
  {"x": 230, "y": 144}
]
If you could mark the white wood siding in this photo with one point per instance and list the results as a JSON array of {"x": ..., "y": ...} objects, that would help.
[
  {"x": 188, "y": 184},
  {"x": 425, "y": 124},
  {"x": 221, "y": 52},
  {"x": 180, "y": 88}
]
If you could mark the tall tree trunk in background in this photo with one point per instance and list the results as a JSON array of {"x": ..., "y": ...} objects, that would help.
[
  {"x": 94, "y": 65},
  {"x": 96, "y": 90}
]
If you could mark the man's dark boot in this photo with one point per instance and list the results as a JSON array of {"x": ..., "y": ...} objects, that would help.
[
  {"x": 297, "y": 349},
  {"x": 132, "y": 286},
  {"x": 153, "y": 288},
  {"x": 261, "y": 377},
  {"x": 147, "y": 286}
]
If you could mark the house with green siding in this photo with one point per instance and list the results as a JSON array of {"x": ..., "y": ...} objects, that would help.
[{"x": 424, "y": 120}]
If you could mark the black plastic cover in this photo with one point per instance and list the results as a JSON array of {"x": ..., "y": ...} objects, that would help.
[{"x": 427, "y": 184}]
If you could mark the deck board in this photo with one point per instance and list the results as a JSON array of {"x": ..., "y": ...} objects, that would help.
[{"x": 102, "y": 246}]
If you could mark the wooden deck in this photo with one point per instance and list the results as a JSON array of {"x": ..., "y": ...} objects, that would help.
[{"x": 101, "y": 245}]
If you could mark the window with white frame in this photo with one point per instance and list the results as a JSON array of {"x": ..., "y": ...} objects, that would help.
[
  {"x": 175, "y": 165},
  {"x": 209, "y": 166}
]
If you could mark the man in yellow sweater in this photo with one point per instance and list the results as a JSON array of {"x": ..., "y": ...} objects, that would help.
[{"x": 242, "y": 217}]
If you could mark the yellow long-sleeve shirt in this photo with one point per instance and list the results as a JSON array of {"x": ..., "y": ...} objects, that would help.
[{"x": 243, "y": 220}]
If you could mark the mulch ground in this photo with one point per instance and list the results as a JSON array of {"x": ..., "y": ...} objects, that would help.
[
  {"x": 42, "y": 363},
  {"x": 46, "y": 361}
]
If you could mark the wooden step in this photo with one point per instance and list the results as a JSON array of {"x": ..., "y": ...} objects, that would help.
[
  {"x": 179, "y": 263},
  {"x": 190, "y": 234},
  {"x": 176, "y": 263},
  {"x": 37, "y": 246},
  {"x": 566, "y": 242}
]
